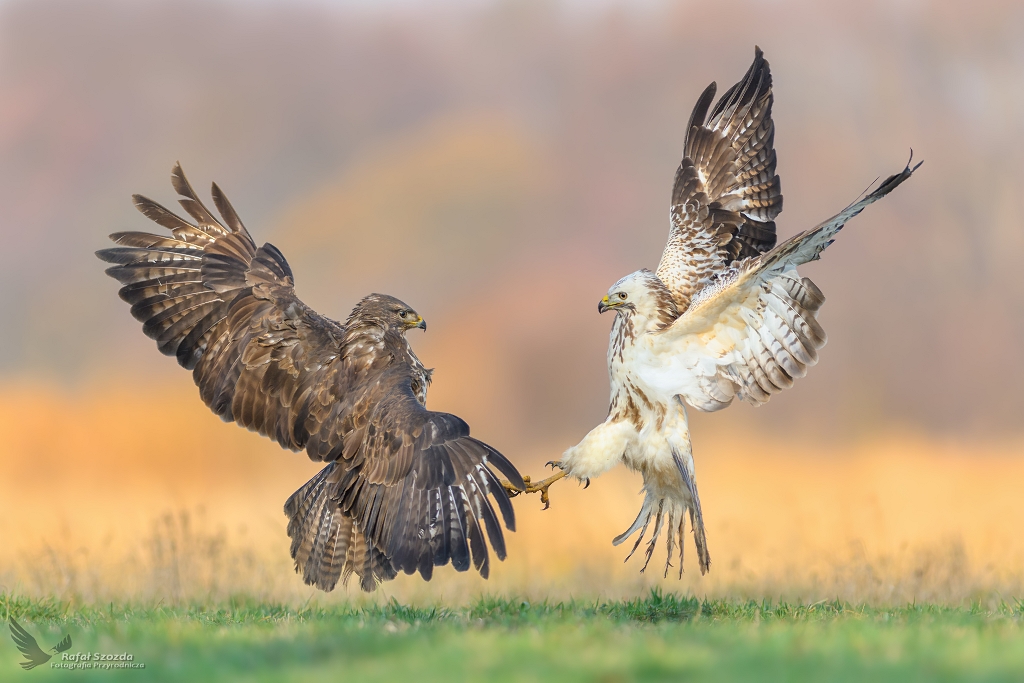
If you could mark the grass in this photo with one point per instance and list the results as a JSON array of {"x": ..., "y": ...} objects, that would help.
[
  {"x": 144, "y": 554},
  {"x": 660, "y": 637}
]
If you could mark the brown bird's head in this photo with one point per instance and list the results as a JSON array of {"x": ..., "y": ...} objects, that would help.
[{"x": 386, "y": 312}]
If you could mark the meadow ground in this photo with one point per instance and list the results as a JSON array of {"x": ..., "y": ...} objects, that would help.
[
  {"x": 660, "y": 637},
  {"x": 898, "y": 557}
]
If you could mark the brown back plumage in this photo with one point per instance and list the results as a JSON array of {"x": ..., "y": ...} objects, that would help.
[
  {"x": 726, "y": 194},
  {"x": 406, "y": 489}
]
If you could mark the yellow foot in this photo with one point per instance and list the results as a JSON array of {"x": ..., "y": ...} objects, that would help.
[
  {"x": 510, "y": 489},
  {"x": 543, "y": 486}
]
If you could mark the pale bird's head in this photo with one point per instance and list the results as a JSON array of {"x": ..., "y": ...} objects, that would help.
[{"x": 640, "y": 293}]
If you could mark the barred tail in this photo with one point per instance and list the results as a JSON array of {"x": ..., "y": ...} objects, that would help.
[
  {"x": 327, "y": 543},
  {"x": 669, "y": 512}
]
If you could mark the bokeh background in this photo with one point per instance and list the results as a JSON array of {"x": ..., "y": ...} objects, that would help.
[{"x": 498, "y": 164}]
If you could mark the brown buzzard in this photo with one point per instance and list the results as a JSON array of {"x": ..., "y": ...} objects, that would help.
[{"x": 405, "y": 488}]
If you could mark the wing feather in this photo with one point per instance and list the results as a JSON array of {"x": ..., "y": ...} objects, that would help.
[
  {"x": 726, "y": 194},
  {"x": 753, "y": 331},
  {"x": 404, "y": 489}
]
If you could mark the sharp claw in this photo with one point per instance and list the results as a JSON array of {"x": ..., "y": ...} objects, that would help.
[
  {"x": 540, "y": 486},
  {"x": 511, "y": 490},
  {"x": 587, "y": 485}
]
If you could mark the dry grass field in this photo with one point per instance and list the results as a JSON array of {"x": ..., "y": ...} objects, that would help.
[
  {"x": 137, "y": 522},
  {"x": 114, "y": 493}
]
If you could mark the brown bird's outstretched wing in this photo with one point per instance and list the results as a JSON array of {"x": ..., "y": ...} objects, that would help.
[
  {"x": 227, "y": 310},
  {"x": 726, "y": 194}
]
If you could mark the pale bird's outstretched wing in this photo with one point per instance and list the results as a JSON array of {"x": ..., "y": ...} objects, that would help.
[
  {"x": 752, "y": 332},
  {"x": 406, "y": 488},
  {"x": 28, "y": 646},
  {"x": 726, "y": 195}
]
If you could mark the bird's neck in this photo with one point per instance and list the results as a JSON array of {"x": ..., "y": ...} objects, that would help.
[
  {"x": 622, "y": 337},
  {"x": 627, "y": 327}
]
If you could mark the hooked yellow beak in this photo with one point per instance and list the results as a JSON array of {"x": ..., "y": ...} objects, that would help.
[
  {"x": 607, "y": 304},
  {"x": 418, "y": 321}
]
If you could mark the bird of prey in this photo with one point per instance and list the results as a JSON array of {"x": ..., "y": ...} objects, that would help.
[
  {"x": 404, "y": 488},
  {"x": 725, "y": 315},
  {"x": 28, "y": 646}
]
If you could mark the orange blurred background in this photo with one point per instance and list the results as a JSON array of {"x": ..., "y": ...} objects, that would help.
[{"x": 498, "y": 165}]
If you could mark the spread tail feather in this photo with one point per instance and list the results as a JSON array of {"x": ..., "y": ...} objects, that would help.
[
  {"x": 670, "y": 514},
  {"x": 327, "y": 543},
  {"x": 696, "y": 516}
]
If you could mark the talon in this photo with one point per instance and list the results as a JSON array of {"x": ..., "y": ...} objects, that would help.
[
  {"x": 541, "y": 486},
  {"x": 587, "y": 484},
  {"x": 511, "y": 490}
]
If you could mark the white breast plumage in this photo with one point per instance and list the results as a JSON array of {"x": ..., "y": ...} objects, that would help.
[{"x": 725, "y": 316}]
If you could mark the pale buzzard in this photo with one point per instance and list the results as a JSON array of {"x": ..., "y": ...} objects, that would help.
[
  {"x": 406, "y": 489},
  {"x": 726, "y": 314}
]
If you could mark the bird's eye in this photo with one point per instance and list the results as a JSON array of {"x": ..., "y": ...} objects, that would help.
[
  {"x": 402, "y": 314},
  {"x": 622, "y": 295}
]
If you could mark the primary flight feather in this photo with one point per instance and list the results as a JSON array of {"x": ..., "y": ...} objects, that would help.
[
  {"x": 405, "y": 488},
  {"x": 725, "y": 315}
]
